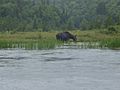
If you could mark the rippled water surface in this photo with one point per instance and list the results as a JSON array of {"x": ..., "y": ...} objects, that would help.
[{"x": 60, "y": 69}]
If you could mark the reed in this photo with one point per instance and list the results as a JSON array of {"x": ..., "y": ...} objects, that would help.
[
  {"x": 111, "y": 43},
  {"x": 29, "y": 44},
  {"x": 47, "y": 40},
  {"x": 29, "y": 40}
]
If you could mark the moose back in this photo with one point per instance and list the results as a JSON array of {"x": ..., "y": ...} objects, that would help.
[{"x": 65, "y": 36}]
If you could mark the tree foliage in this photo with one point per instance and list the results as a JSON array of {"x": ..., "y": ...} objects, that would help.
[{"x": 45, "y": 15}]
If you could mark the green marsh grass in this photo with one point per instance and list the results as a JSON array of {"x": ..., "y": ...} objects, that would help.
[
  {"x": 29, "y": 40},
  {"x": 112, "y": 43},
  {"x": 104, "y": 40},
  {"x": 38, "y": 44},
  {"x": 47, "y": 40}
]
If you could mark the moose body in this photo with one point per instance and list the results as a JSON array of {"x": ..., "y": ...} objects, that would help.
[{"x": 65, "y": 36}]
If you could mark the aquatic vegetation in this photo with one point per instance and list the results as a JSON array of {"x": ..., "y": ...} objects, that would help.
[
  {"x": 47, "y": 40},
  {"x": 112, "y": 43},
  {"x": 38, "y": 44},
  {"x": 29, "y": 41}
]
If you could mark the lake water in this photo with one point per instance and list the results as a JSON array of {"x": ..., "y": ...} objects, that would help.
[{"x": 60, "y": 69}]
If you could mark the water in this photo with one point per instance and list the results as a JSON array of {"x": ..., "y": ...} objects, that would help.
[{"x": 60, "y": 69}]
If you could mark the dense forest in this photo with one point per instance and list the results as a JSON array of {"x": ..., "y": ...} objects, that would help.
[{"x": 45, "y": 15}]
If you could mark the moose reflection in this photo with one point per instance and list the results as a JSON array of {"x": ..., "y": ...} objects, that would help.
[{"x": 65, "y": 36}]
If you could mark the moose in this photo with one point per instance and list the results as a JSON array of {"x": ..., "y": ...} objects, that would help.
[{"x": 65, "y": 36}]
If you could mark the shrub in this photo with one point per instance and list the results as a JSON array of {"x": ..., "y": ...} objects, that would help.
[{"x": 112, "y": 30}]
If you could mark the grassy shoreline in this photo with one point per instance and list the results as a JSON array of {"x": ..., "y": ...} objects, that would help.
[
  {"x": 47, "y": 40},
  {"x": 28, "y": 40}
]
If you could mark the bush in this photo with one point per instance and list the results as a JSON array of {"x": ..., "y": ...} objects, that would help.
[{"x": 112, "y": 30}]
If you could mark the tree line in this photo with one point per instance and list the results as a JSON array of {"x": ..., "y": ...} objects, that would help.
[{"x": 45, "y": 15}]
